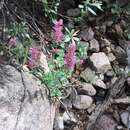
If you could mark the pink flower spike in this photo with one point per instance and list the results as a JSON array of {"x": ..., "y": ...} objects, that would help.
[
  {"x": 34, "y": 57},
  {"x": 13, "y": 42},
  {"x": 57, "y": 32},
  {"x": 70, "y": 57}
]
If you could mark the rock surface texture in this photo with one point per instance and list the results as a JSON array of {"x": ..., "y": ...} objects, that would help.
[{"x": 23, "y": 102}]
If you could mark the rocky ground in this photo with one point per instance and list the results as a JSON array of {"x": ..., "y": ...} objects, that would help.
[{"x": 99, "y": 96}]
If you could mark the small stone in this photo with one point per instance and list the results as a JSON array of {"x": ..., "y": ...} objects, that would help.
[
  {"x": 105, "y": 122},
  {"x": 107, "y": 50},
  {"x": 118, "y": 29},
  {"x": 82, "y": 102},
  {"x": 94, "y": 45},
  {"x": 100, "y": 83},
  {"x": 67, "y": 103},
  {"x": 88, "y": 75},
  {"x": 87, "y": 89},
  {"x": 103, "y": 29},
  {"x": 43, "y": 63},
  {"x": 87, "y": 34},
  {"x": 128, "y": 81},
  {"x": 106, "y": 42},
  {"x": 91, "y": 108},
  {"x": 69, "y": 117},
  {"x": 59, "y": 123},
  {"x": 111, "y": 57},
  {"x": 125, "y": 118},
  {"x": 76, "y": 128},
  {"x": 100, "y": 62},
  {"x": 73, "y": 12},
  {"x": 109, "y": 23},
  {"x": 110, "y": 74}
]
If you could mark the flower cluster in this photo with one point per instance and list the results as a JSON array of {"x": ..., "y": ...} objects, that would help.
[
  {"x": 34, "y": 55},
  {"x": 13, "y": 42},
  {"x": 70, "y": 57},
  {"x": 57, "y": 33}
]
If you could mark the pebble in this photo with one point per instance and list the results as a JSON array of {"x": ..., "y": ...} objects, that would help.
[
  {"x": 125, "y": 118},
  {"x": 105, "y": 122},
  {"x": 100, "y": 83},
  {"x": 100, "y": 62},
  {"x": 94, "y": 45},
  {"x": 82, "y": 102},
  {"x": 87, "y": 89}
]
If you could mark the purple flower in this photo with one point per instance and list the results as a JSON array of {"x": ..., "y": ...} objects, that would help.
[
  {"x": 34, "y": 56},
  {"x": 13, "y": 42},
  {"x": 57, "y": 33},
  {"x": 70, "y": 57}
]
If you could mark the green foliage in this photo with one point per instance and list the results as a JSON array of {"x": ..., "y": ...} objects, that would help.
[
  {"x": 21, "y": 31},
  {"x": 51, "y": 9},
  {"x": 24, "y": 41},
  {"x": 90, "y": 6},
  {"x": 55, "y": 80}
]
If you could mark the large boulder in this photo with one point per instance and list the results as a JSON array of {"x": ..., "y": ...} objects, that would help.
[{"x": 23, "y": 102}]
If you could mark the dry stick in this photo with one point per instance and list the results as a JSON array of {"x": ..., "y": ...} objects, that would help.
[{"x": 100, "y": 109}]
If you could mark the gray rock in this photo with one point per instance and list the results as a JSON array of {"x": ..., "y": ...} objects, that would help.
[
  {"x": 82, "y": 102},
  {"x": 69, "y": 117},
  {"x": 87, "y": 89},
  {"x": 59, "y": 123},
  {"x": 73, "y": 12},
  {"x": 99, "y": 83},
  {"x": 23, "y": 102},
  {"x": 87, "y": 34},
  {"x": 94, "y": 45},
  {"x": 100, "y": 62},
  {"x": 67, "y": 103},
  {"x": 88, "y": 75},
  {"x": 111, "y": 57},
  {"x": 125, "y": 118},
  {"x": 105, "y": 122},
  {"x": 128, "y": 81}
]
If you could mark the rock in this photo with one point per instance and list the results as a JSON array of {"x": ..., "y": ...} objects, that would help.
[
  {"x": 105, "y": 42},
  {"x": 24, "y": 103},
  {"x": 67, "y": 103},
  {"x": 59, "y": 123},
  {"x": 111, "y": 57},
  {"x": 100, "y": 62},
  {"x": 88, "y": 75},
  {"x": 69, "y": 117},
  {"x": 128, "y": 81},
  {"x": 76, "y": 128},
  {"x": 82, "y": 102},
  {"x": 99, "y": 83},
  {"x": 107, "y": 50},
  {"x": 124, "y": 44},
  {"x": 110, "y": 74},
  {"x": 120, "y": 55},
  {"x": 125, "y": 118},
  {"x": 118, "y": 29},
  {"x": 87, "y": 89},
  {"x": 105, "y": 122},
  {"x": 94, "y": 45},
  {"x": 125, "y": 100},
  {"x": 102, "y": 29},
  {"x": 87, "y": 34},
  {"x": 43, "y": 63},
  {"x": 73, "y": 12},
  {"x": 91, "y": 108}
]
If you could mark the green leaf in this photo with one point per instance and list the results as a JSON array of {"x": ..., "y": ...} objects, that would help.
[{"x": 90, "y": 10}]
